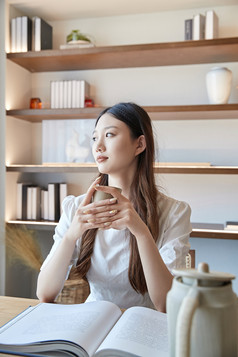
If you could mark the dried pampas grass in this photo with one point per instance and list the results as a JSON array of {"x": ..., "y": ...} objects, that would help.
[{"x": 23, "y": 246}]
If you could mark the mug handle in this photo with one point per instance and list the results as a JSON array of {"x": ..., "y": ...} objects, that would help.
[{"x": 184, "y": 322}]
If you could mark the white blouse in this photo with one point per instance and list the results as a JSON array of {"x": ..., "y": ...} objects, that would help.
[{"x": 108, "y": 273}]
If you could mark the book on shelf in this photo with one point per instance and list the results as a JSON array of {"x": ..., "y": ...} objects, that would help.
[
  {"x": 211, "y": 25},
  {"x": 26, "y": 29},
  {"x": 21, "y": 211},
  {"x": 18, "y": 34},
  {"x": 85, "y": 330},
  {"x": 188, "y": 30},
  {"x": 35, "y": 203},
  {"x": 198, "y": 27},
  {"x": 54, "y": 201},
  {"x": 231, "y": 226},
  {"x": 68, "y": 93},
  {"x": 42, "y": 34},
  {"x": 63, "y": 192}
]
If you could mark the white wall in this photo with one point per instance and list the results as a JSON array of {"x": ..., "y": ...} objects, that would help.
[{"x": 212, "y": 198}]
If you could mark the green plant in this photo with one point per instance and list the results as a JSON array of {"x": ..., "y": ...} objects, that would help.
[{"x": 76, "y": 35}]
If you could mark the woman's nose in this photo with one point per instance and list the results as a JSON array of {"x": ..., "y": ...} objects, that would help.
[{"x": 100, "y": 146}]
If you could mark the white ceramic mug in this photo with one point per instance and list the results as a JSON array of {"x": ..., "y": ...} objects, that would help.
[{"x": 100, "y": 195}]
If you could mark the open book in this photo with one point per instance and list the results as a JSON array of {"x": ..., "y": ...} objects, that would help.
[{"x": 90, "y": 329}]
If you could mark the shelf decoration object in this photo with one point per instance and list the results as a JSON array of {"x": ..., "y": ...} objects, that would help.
[
  {"x": 77, "y": 39},
  {"x": 218, "y": 82}
]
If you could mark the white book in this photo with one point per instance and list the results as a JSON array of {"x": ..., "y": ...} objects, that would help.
[
  {"x": 63, "y": 193},
  {"x": 46, "y": 206},
  {"x": 57, "y": 95},
  {"x": 61, "y": 94},
  {"x": 211, "y": 25},
  {"x": 69, "y": 94},
  {"x": 74, "y": 94},
  {"x": 78, "y": 93},
  {"x": 84, "y": 92},
  {"x": 198, "y": 27},
  {"x": 18, "y": 34},
  {"x": 65, "y": 94},
  {"x": 96, "y": 328},
  {"x": 26, "y": 34},
  {"x": 35, "y": 203},
  {"x": 13, "y": 35},
  {"x": 52, "y": 94},
  {"x": 37, "y": 34},
  {"x": 29, "y": 203}
]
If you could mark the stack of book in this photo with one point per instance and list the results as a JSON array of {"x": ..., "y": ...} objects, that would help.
[
  {"x": 68, "y": 94},
  {"x": 202, "y": 26},
  {"x": 30, "y": 34},
  {"x": 35, "y": 203}
]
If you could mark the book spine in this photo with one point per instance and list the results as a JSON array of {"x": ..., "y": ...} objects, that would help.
[
  {"x": 211, "y": 25},
  {"x": 54, "y": 207},
  {"x": 13, "y": 35},
  {"x": 198, "y": 27},
  {"x": 45, "y": 35},
  {"x": 18, "y": 34},
  {"x": 69, "y": 94},
  {"x": 65, "y": 94},
  {"x": 35, "y": 203},
  {"x": 26, "y": 24},
  {"x": 37, "y": 32},
  {"x": 61, "y": 94},
  {"x": 63, "y": 193},
  {"x": 46, "y": 206},
  {"x": 29, "y": 203},
  {"x": 188, "y": 30},
  {"x": 74, "y": 94}
]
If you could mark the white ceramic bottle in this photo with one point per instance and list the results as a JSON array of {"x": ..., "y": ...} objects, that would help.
[{"x": 218, "y": 81}]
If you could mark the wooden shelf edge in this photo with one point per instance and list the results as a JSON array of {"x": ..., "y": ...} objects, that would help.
[
  {"x": 198, "y": 233},
  {"x": 158, "y": 168},
  {"x": 127, "y": 56},
  {"x": 162, "y": 112},
  {"x": 214, "y": 234}
]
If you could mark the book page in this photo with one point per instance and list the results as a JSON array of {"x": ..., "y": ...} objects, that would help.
[
  {"x": 140, "y": 331},
  {"x": 85, "y": 324}
]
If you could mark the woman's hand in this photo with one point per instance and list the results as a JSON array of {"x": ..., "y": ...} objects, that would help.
[
  {"x": 119, "y": 215},
  {"x": 91, "y": 215}
]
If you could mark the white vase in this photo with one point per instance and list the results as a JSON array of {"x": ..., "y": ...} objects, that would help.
[{"x": 218, "y": 81}]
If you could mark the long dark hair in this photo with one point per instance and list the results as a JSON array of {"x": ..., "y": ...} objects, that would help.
[{"x": 143, "y": 193}]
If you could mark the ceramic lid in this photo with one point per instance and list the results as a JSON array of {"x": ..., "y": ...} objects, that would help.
[{"x": 203, "y": 273}]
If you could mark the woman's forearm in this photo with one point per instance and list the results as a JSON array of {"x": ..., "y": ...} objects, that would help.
[
  {"x": 51, "y": 278},
  {"x": 158, "y": 278}
]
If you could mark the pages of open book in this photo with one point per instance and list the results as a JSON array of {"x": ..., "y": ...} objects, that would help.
[
  {"x": 85, "y": 324},
  {"x": 139, "y": 332}
]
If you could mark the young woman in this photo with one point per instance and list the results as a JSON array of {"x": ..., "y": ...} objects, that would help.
[{"x": 124, "y": 246}]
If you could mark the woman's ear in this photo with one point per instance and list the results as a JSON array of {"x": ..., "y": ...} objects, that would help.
[{"x": 141, "y": 145}]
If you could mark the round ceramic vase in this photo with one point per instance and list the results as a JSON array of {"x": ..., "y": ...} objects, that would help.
[{"x": 218, "y": 81}]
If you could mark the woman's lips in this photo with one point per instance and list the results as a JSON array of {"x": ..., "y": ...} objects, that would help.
[{"x": 101, "y": 158}]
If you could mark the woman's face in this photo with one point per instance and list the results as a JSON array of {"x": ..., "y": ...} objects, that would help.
[{"x": 114, "y": 149}]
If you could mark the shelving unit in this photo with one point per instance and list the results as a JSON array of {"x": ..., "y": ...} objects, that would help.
[
  {"x": 146, "y": 55},
  {"x": 166, "y": 168},
  {"x": 165, "y": 112},
  {"x": 200, "y": 233}
]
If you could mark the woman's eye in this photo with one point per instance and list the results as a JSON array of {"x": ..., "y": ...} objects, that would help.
[{"x": 109, "y": 134}]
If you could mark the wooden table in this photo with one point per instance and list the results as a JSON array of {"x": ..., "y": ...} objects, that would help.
[{"x": 12, "y": 306}]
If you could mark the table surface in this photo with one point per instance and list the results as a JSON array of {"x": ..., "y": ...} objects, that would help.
[{"x": 12, "y": 306}]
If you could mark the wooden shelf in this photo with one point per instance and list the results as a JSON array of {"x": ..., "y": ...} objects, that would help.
[
  {"x": 168, "y": 168},
  {"x": 127, "y": 56},
  {"x": 198, "y": 233},
  {"x": 164, "y": 112},
  {"x": 214, "y": 234}
]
